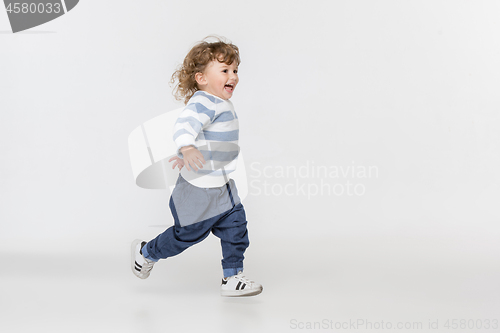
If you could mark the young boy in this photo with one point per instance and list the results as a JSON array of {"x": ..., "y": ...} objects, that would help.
[{"x": 204, "y": 199}]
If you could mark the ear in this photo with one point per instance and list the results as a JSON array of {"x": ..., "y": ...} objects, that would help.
[{"x": 200, "y": 79}]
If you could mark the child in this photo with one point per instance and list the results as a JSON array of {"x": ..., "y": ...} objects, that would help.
[{"x": 204, "y": 200}]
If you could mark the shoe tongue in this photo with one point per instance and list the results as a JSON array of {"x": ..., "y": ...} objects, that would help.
[{"x": 142, "y": 245}]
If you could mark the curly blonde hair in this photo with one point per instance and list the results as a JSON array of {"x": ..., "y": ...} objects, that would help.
[{"x": 197, "y": 60}]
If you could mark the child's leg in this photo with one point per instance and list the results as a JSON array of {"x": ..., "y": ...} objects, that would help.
[
  {"x": 233, "y": 234},
  {"x": 195, "y": 210},
  {"x": 175, "y": 239}
]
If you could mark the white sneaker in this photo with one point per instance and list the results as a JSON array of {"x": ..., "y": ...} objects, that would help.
[
  {"x": 140, "y": 265},
  {"x": 239, "y": 285}
]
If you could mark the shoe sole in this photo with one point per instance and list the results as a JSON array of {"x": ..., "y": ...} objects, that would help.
[
  {"x": 134, "y": 246},
  {"x": 238, "y": 293}
]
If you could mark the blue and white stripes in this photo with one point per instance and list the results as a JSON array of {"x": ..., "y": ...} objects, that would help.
[{"x": 210, "y": 124}]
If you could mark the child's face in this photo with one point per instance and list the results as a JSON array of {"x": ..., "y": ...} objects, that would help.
[{"x": 219, "y": 79}]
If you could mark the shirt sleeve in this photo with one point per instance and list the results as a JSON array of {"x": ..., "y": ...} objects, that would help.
[{"x": 190, "y": 123}]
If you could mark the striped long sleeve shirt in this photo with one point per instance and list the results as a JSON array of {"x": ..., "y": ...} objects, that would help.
[{"x": 211, "y": 125}]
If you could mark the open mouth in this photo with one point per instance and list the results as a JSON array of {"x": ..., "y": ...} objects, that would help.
[{"x": 229, "y": 87}]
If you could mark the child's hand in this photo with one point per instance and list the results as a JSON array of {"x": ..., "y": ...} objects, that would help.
[
  {"x": 192, "y": 158},
  {"x": 178, "y": 162}
]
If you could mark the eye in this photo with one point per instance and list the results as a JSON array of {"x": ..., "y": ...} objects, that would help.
[
  {"x": 224, "y": 70},
  {"x": 235, "y": 71}
]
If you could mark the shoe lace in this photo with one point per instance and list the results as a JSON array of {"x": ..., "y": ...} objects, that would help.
[{"x": 243, "y": 278}]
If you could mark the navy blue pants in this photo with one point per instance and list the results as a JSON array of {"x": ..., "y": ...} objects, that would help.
[{"x": 197, "y": 212}]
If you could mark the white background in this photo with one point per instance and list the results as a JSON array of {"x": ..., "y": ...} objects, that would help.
[{"x": 409, "y": 87}]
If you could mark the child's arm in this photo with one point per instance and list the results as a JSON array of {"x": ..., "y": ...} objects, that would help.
[{"x": 189, "y": 124}]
